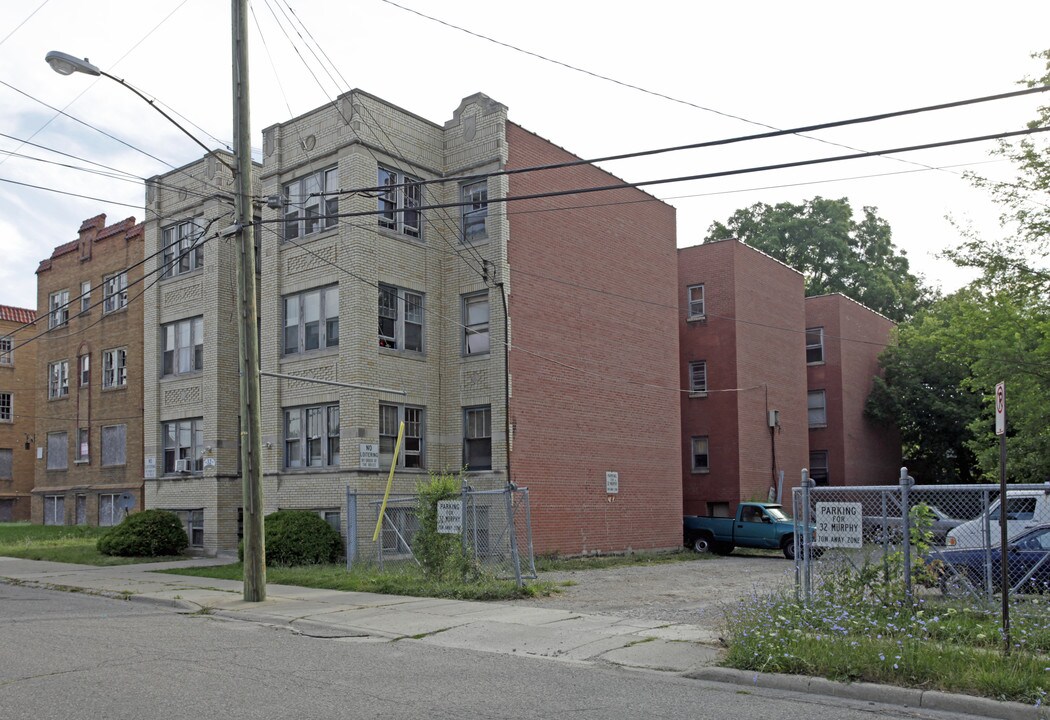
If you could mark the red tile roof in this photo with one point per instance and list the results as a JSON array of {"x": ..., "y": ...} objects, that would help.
[{"x": 17, "y": 314}]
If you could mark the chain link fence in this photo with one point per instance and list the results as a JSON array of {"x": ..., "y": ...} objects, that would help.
[
  {"x": 927, "y": 538},
  {"x": 494, "y": 526}
]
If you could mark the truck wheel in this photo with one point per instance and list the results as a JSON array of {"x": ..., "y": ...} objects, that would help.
[
  {"x": 788, "y": 546},
  {"x": 702, "y": 544},
  {"x": 722, "y": 548}
]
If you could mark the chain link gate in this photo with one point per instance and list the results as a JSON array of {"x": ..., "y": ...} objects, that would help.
[{"x": 496, "y": 531}]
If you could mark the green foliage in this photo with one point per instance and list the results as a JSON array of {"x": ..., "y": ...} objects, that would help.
[
  {"x": 441, "y": 556},
  {"x": 299, "y": 537},
  {"x": 149, "y": 533},
  {"x": 821, "y": 239}
]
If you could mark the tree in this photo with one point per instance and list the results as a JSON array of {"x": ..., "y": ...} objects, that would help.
[{"x": 834, "y": 252}]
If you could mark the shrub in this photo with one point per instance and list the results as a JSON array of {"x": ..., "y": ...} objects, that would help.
[
  {"x": 149, "y": 533},
  {"x": 300, "y": 537},
  {"x": 440, "y": 556}
]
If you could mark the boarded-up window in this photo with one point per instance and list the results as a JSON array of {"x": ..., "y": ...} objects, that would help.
[
  {"x": 114, "y": 441},
  {"x": 57, "y": 451},
  {"x": 55, "y": 509},
  {"x": 6, "y": 473},
  {"x": 109, "y": 512}
]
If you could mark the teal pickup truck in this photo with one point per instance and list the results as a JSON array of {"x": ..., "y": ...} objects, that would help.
[{"x": 756, "y": 525}]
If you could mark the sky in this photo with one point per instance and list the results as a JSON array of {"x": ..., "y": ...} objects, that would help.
[{"x": 700, "y": 71}]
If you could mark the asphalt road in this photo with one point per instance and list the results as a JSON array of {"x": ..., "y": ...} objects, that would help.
[{"x": 65, "y": 655}]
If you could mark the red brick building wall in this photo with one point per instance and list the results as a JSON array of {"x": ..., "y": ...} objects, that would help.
[
  {"x": 17, "y": 378},
  {"x": 595, "y": 361},
  {"x": 859, "y": 452}
]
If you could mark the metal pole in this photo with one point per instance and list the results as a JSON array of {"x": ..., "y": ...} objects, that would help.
[
  {"x": 906, "y": 482},
  {"x": 885, "y": 540},
  {"x": 351, "y": 529},
  {"x": 1004, "y": 556},
  {"x": 507, "y": 493},
  {"x": 248, "y": 336},
  {"x": 986, "y": 530},
  {"x": 803, "y": 537}
]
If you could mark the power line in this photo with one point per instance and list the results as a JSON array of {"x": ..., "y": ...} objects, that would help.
[{"x": 27, "y": 19}]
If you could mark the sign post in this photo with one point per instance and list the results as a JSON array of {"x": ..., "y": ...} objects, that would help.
[{"x": 1000, "y": 430}]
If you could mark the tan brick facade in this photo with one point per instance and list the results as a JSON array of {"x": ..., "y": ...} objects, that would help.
[
  {"x": 17, "y": 411},
  {"x": 88, "y": 380}
]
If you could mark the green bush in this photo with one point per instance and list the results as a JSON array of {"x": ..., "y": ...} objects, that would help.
[
  {"x": 440, "y": 556},
  {"x": 149, "y": 533},
  {"x": 299, "y": 537}
]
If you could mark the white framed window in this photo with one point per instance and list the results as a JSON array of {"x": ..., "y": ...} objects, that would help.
[
  {"x": 58, "y": 309},
  {"x": 332, "y": 517},
  {"x": 475, "y": 200},
  {"x": 57, "y": 451},
  {"x": 83, "y": 450},
  {"x": 701, "y": 459},
  {"x": 311, "y": 320},
  {"x": 85, "y": 296},
  {"x": 7, "y": 407},
  {"x": 698, "y": 377},
  {"x": 818, "y": 467},
  {"x": 7, "y": 350},
  {"x": 477, "y": 437},
  {"x": 816, "y": 401},
  {"x": 814, "y": 345},
  {"x": 183, "y": 445},
  {"x": 115, "y": 368},
  {"x": 308, "y": 209},
  {"x": 114, "y": 292},
  {"x": 695, "y": 298},
  {"x": 7, "y": 459},
  {"x": 193, "y": 524},
  {"x": 400, "y": 319},
  {"x": 54, "y": 509},
  {"x": 84, "y": 370},
  {"x": 182, "y": 345},
  {"x": 476, "y": 323},
  {"x": 114, "y": 445},
  {"x": 58, "y": 379},
  {"x": 399, "y": 203},
  {"x": 412, "y": 451},
  {"x": 311, "y": 436},
  {"x": 183, "y": 248},
  {"x": 109, "y": 510}
]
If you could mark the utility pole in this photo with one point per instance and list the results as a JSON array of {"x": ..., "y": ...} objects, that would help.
[{"x": 248, "y": 315}]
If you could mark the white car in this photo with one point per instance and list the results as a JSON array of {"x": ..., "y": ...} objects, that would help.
[{"x": 1024, "y": 509}]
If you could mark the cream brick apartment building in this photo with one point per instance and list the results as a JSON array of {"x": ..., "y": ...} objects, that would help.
[
  {"x": 399, "y": 289},
  {"x": 17, "y": 410}
]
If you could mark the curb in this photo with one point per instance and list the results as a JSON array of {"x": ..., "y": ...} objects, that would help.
[{"x": 871, "y": 692}]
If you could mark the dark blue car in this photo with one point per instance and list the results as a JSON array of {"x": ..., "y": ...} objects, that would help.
[{"x": 1028, "y": 564}]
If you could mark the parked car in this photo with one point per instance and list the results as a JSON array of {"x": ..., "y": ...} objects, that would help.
[
  {"x": 756, "y": 525},
  {"x": 1024, "y": 509},
  {"x": 876, "y": 527},
  {"x": 1028, "y": 563}
]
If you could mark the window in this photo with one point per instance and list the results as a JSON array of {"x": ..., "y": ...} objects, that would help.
[
  {"x": 332, "y": 518},
  {"x": 400, "y": 319},
  {"x": 814, "y": 345},
  {"x": 698, "y": 377},
  {"x": 6, "y": 464},
  {"x": 57, "y": 451},
  {"x": 696, "y": 301},
  {"x": 183, "y": 441},
  {"x": 82, "y": 451},
  {"x": 1017, "y": 508},
  {"x": 311, "y": 320},
  {"x": 304, "y": 202},
  {"x": 114, "y": 292},
  {"x": 109, "y": 510},
  {"x": 85, "y": 296},
  {"x": 476, "y": 324},
  {"x": 701, "y": 458},
  {"x": 84, "y": 370},
  {"x": 7, "y": 350},
  {"x": 7, "y": 405},
  {"x": 58, "y": 379},
  {"x": 183, "y": 248},
  {"x": 54, "y": 510},
  {"x": 477, "y": 437},
  {"x": 818, "y": 467},
  {"x": 399, "y": 205},
  {"x": 818, "y": 414},
  {"x": 475, "y": 199},
  {"x": 390, "y": 418},
  {"x": 58, "y": 303},
  {"x": 114, "y": 445},
  {"x": 311, "y": 436},
  {"x": 183, "y": 344},
  {"x": 115, "y": 368},
  {"x": 193, "y": 524}
]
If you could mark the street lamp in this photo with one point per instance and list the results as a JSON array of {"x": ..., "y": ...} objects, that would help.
[{"x": 248, "y": 313}]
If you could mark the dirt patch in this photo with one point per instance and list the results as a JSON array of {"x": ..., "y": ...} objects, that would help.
[{"x": 693, "y": 592}]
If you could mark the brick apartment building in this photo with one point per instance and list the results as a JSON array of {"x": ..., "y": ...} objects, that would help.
[
  {"x": 88, "y": 379},
  {"x": 405, "y": 301},
  {"x": 17, "y": 411},
  {"x": 843, "y": 342}
]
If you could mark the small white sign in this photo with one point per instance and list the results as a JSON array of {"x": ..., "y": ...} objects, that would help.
[
  {"x": 839, "y": 524},
  {"x": 369, "y": 456},
  {"x": 450, "y": 517},
  {"x": 151, "y": 467},
  {"x": 40, "y": 453},
  {"x": 612, "y": 482},
  {"x": 1000, "y": 409}
]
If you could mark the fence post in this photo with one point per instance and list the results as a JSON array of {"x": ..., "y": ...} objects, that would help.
[
  {"x": 906, "y": 483},
  {"x": 802, "y": 539},
  {"x": 885, "y": 541},
  {"x": 351, "y": 528},
  {"x": 464, "y": 517},
  {"x": 986, "y": 530},
  {"x": 512, "y": 535}
]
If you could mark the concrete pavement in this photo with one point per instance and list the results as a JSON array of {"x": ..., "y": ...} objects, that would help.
[{"x": 563, "y": 635}]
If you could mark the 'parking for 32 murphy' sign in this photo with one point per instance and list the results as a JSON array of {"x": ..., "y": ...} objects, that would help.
[{"x": 839, "y": 524}]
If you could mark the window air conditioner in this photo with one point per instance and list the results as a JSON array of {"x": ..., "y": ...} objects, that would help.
[{"x": 183, "y": 466}]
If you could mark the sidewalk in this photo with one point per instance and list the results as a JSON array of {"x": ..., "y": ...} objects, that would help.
[{"x": 563, "y": 635}]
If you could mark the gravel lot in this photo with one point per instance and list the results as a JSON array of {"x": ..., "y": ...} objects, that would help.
[{"x": 692, "y": 592}]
